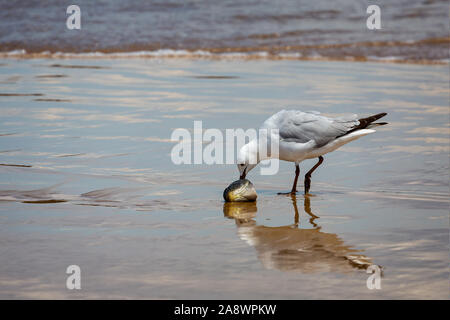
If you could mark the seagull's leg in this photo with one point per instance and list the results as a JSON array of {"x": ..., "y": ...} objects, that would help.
[
  {"x": 308, "y": 175},
  {"x": 297, "y": 172},
  {"x": 294, "y": 186}
]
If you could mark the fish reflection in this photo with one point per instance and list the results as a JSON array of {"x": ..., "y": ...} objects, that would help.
[{"x": 289, "y": 248}]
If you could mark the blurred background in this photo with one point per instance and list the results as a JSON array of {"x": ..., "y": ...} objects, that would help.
[{"x": 410, "y": 30}]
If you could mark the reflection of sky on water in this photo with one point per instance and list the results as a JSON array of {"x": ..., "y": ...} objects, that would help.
[{"x": 107, "y": 153}]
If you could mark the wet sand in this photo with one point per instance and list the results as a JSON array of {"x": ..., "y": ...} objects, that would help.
[{"x": 86, "y": 179}]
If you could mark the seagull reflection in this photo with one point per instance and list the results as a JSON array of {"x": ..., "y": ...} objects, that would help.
[{"x": 289, "y": 248}]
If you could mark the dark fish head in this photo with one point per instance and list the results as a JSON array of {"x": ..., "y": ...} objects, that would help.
[{"x": 240, "y": 191}]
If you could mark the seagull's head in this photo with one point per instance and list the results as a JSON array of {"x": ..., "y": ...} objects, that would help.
[
  {"x": 247, "y": 159},
  {"x": 244, "y": 168}
]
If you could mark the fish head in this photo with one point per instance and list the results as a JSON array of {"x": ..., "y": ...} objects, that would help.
[{"x": 240, "y": 191}]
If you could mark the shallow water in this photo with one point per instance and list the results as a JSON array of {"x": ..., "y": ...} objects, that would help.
[{"x": 86, "y": 179}]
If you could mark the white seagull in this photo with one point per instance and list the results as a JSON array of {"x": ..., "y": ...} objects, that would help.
[{"x": 306, "y": 135}]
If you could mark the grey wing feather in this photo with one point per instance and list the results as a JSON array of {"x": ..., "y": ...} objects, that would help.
[{"x": 302, "y": 127}]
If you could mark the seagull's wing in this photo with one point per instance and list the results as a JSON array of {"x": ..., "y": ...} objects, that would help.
[{"x": 301, "y": 127}]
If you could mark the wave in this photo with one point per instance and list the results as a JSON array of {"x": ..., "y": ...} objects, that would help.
[{"x": 323, "y": 52}]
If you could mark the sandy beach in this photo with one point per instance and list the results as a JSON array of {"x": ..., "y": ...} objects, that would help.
[{"x": 86, "y": 179}]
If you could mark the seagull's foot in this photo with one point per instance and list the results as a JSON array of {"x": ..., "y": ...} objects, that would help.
[
  {"x": 309, "y": 195},
  {"x": 292, "y": 193},
  {"x": 307, "y": 185}
]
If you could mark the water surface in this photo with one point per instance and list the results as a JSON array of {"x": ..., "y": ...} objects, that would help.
[{"x": 86, "y": 179}]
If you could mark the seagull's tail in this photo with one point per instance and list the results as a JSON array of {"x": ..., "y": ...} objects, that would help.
[{"x": 367, "y": 123}]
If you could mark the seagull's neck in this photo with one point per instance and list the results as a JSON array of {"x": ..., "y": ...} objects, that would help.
[
  {"x": 249, "y": 152},
  {"x": 254, "y": 151}
]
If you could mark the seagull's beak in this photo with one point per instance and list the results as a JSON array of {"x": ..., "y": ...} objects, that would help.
[{"x": 243, "y": 174}]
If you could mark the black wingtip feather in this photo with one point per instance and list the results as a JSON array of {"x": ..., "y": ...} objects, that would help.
[
  {"x": 371, "y": 119},
  {"x": 365, "y": 122}
]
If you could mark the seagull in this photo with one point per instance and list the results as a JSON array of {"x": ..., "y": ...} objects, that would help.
[{"x": 305, "y": 135}]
